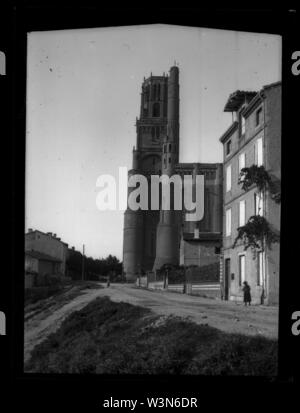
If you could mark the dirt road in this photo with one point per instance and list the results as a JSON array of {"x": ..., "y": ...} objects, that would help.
[{"x": 224, "y": 315}]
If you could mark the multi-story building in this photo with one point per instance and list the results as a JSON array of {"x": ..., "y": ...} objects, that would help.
[
  {"x": 49, "y": 245},
  {"x": 254, "y": 138}
]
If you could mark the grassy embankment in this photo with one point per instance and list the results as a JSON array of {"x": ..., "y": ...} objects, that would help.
[
  {"x": 41, "y": 299},
  {"x": 118, "y": 338}
]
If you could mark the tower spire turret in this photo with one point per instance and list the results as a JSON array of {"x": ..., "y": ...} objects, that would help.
[{"x": 167, "y": 244}]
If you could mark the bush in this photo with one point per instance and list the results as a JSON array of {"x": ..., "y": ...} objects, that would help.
[
  {"x": 118, "y": 338},
  {"x": 35, "y": 294}
]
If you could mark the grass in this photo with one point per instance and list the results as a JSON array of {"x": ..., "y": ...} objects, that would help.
[
  {"x": 39, "y": 299},
  {"x": 118, "y": 338}
]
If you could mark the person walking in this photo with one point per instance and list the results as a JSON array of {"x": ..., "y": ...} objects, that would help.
[{"x": 247, "y": 294}]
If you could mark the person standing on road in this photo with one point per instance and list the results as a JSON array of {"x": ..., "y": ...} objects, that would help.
[{"x": 247, "y": 294}]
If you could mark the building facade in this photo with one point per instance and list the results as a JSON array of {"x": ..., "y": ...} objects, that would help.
[
  {"x": 254, "y": 138},
  {"x": 153, "y": 238},
  {"x": 49, "y": 245},
  {"x": 39, "y": 264}
]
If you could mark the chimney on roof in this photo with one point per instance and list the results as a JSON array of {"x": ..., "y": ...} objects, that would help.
[
  {"x": 30, "y": 229},
  {"x": 49, "y": 233},
  {"x": 73, "y": 248},
  {"x": 58, "y": 239},
  {"x": 54, "y": 235}
]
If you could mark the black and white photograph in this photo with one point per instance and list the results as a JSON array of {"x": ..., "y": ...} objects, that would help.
[
  {"x": 152, "y": 288},
  {"x": 150, "y": 260}
]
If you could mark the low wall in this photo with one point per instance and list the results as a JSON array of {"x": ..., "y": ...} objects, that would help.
[
  {"x": 178, "y": 288},
  {"x": 156, "y": 285},
  {"x": 210, "y": 290},
  {"x": 142, "y": 281}
]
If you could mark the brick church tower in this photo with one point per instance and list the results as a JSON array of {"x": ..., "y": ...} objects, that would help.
[
  {"x": 156, "y": 237},
  {"x": 146, "y": 232}
]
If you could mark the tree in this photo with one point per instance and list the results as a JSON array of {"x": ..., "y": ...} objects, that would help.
[{"x": 256, "y": 233}]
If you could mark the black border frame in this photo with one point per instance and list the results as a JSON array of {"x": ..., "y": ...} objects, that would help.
[{"x": 86, "y": 391}]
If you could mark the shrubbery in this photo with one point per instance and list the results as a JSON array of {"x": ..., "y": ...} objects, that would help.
[
  {"x": 118, "y": 338},
  {"x": 35, "y": 294}
]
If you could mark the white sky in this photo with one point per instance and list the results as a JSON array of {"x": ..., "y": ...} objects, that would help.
[{"x": 83, "y": 95}]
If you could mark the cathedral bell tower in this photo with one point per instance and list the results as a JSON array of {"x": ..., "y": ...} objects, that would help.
[
  {"x": 139, "y": 247},
  {"x": 167, "y": 244}
]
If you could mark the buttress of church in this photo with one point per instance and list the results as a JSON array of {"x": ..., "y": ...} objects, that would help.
[{"x": 153, "y": 238}]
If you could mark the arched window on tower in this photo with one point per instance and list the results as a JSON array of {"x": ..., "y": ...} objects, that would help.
[
  {"x": 154, "y": 92},
  {"x": 170, "y": 147},
  {"x": 156, "y": 110},
  {"x": 158, "y": 92},
  {"x": 146, "y": 97}
]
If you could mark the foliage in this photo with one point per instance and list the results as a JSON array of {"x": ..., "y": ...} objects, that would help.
[
  {"x": 93, "y": 268},
  {"x": 209, "y": 272},
  {"x": 255, "y": 233},
  {"x": 34, "y": 294},
  {"x": 257, "y": 175},
  {"x": 117, "y": 338}
]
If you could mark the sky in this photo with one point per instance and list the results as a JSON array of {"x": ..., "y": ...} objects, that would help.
[{"x": 83, "y": 97}]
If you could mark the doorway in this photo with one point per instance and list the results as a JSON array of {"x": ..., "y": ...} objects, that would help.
[{"x": 227, "y": 278}]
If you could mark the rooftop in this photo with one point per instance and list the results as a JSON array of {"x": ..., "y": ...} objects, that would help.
[
  {"x": 49, "y": 234},
  {"x": 41, "y": 256},
  {"x": 237, "y": 99}
]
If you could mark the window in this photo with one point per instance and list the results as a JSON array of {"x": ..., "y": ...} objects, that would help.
[
  {"x": 242, "y": 213},
  {"x": 258, "y": 117},
  {"x": 242, "y": 162},
  {"x": 241, "y": 269},
  {"x": 154, "y": 92},
  {"x": 258, "y": 204},
  {"x": 156, "y": 110},
  {"x": 243, "y": 125},
  {"x": 228, "y": 222},
  {"x": 260, "y": 268},
  {"x": 228, "y": 148},
  {"x": 259, "y": 152},
  {"x": 228, "y": 178},
  {"x": 217, "y": 250}
]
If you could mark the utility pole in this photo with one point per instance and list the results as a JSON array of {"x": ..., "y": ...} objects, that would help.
[{"x": 82, "y": 263}]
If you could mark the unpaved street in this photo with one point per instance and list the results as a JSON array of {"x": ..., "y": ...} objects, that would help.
[{"x": 224, "y": 315}]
